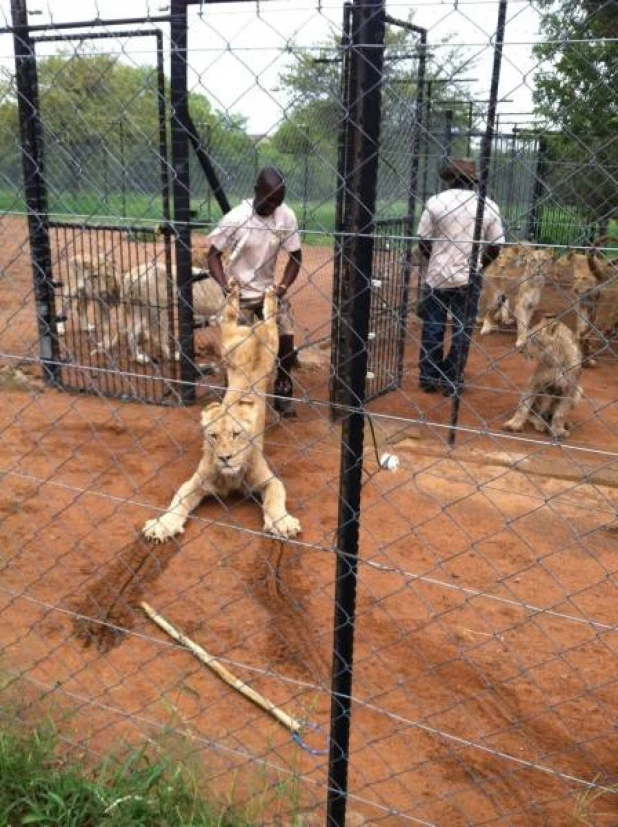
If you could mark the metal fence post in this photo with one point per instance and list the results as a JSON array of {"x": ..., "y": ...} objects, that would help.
[
  {"x": 35, "y": 189},
  {"x": 474, "y": 283},
  {"x": 533, "y": 232},
  {"x": 419, "y": 129},
  {"x": 367, "y": 55},
  {"x": 448, "y": 134},
  {"x": 182, "y": 197},
  {"x": 342, "y": 207}
]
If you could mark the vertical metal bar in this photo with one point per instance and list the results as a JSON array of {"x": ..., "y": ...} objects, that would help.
[
  {"x": 123, "y": 172},
  {"x": 164, "y": 167},
  {"x": 474, "y": 282},
  {"x": 410, "y": 226},
  {"x": 428, "y": 136},
  {"x": 341, "y": 206},
  {"x": 164, "y": 164},
  {"x": 534, "y": 214},
  {"x": 340, "y": 200},
  {"x": 305, "y": 186},
  {"x": 419, "y": 126},
  {"x": 469, "y": 143},
  {"x": 509, "y": 201},
  {"x": 368, "y": 57},
  {"x": 182, "y": 198},
  {"x": 448, "y": 134},
  {"x": 35, "y": 185},
  {"x": 208, "y": 129}
]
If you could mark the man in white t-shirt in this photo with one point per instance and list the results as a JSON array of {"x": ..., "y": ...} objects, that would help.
[
  {"x": 253, "y": 234},
  {"x": 446, "y": 233}
]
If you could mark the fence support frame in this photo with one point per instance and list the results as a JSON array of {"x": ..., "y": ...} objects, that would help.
[
  {"x": 475, "y": 275},
  {"x": 32, "y": 154},
  {"x": 182, "y": 194},
  {"x": 366, "y": 62}
]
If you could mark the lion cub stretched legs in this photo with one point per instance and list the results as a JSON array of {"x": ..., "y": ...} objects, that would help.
[
  {"x": 249, "y": 351},
  {"x": 233, "y": 458}
]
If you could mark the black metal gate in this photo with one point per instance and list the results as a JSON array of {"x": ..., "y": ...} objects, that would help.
[
  {"x": 116, "y": 313},
  {"x": 391, "y": 265},
  {"x": 84, "y": 313}
]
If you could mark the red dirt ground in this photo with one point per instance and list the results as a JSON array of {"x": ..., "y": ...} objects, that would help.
[{"x": 485, "y": 660}]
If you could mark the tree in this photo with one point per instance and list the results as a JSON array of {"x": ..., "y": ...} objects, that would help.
[
  {"x": 101, "y": 124},
  {"x": 315, "y": 108},
  {"x": 577, "y": 93}
]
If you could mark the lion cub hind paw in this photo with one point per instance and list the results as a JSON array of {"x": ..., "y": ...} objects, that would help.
[
  {"x": 559, "y": 433},
  {"x": 160, "y": 529},
  {"x": 285, "y": 527}
]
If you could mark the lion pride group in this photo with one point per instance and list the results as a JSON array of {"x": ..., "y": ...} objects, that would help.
[{"x": 509, "y": 291}]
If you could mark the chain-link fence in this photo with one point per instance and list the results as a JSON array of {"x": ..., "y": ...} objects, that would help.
[{"x": 436, "y": 646}]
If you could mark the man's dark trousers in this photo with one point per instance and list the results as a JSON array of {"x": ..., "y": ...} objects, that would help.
[{"x": 435, "y": 369}]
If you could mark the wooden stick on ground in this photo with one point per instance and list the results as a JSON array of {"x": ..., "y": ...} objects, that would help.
[{"x": 201, "y": 654}]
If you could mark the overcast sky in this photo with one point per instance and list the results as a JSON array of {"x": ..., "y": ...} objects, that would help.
[{"x": 236, "y": 55}]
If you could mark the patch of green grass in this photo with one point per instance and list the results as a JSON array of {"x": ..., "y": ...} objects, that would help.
[
  {"x": 39, "y": 788},
  {"x": 559, "y": 225}
]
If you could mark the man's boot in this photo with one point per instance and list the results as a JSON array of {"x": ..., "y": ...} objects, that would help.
[{"x": 284, "y": 388}]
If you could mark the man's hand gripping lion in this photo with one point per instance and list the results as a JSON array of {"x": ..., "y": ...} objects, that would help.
[{"x": 232, "y": 457}]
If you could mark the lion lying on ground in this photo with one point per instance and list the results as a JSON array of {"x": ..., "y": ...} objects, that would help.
[
  {"x": 554, "y": 387},
  {"x": 233, "y": 458},
  {"x": 513, "y": 285}
]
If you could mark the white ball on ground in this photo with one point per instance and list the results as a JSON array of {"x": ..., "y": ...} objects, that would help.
[{"x": 389, "y": 462}]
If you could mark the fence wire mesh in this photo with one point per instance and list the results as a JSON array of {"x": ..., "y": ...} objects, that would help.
[{"x": 482, "y": 607}]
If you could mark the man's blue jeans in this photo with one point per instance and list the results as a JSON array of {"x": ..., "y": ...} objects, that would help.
[{"x": 435, "y": 368}]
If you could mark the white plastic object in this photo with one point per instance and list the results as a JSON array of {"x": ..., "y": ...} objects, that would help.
[{"x": 389, "y": 462}]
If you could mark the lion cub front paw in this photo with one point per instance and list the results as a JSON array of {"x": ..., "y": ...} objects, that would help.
[
  {"x": 487, "y": 328},
  {"x": 270, "y": 303},
  {"x": 513, "y": 425},
  {"x": 163, "y": 528},
  {"x": 285, "y": 526}
]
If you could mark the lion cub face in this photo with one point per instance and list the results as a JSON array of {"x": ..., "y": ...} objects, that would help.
[
  {"x": 96, "y": 277},
  {"x": 556, "y": 344},
  {"x": 574, "y": 265},
  {"x": 229, "y": 435}
]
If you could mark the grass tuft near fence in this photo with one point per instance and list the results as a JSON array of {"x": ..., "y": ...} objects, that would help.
[{"x": 37, "y": 787}]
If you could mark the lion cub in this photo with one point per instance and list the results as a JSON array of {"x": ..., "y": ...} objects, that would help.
[
  {"x": 513, "y": 285},
  {"x": 553, "y": 390},
  {"x": 249, "y": 352},
  {"x": 233, "y": 458},
  {"x": 588, "y": 272}
]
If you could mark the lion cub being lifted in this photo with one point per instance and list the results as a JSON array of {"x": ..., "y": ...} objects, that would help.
[
  {"x": 554, "y": 387},
  {"x": 232, "y": 457}
]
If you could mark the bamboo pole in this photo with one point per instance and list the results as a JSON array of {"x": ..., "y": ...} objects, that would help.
[{"x": 209, "y": 660}]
